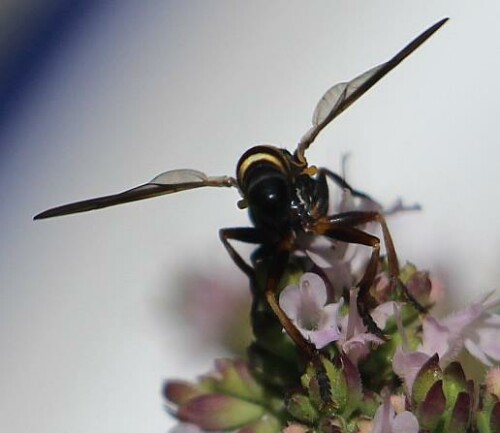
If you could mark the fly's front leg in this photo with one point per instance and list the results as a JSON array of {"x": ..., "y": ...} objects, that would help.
[
  {"x": 345, "y": 233},
  {"x": 357, "y": 218}
]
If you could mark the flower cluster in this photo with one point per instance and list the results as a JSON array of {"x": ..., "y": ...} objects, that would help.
[
  {"x": 408, "y": 382},
  {"x": 396, "y": 371}
]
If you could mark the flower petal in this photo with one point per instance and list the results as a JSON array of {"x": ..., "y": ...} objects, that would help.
[
  {"x": 330, "y": 318},
  {"x": 474, "y": 328},
  {"x": 382, "y": 418},
  {"x": 323, "y": 337},
  {"x": 439, "y": 338},
  {"x": 486, "y": 335},
  {"x": 382, "y": 312},
  {"x": 405, "y": 422},
  {"x": 407, "y": 365},
  {"x": 289, "y": 301},
  {"x": 305, "y": 306},
  {"x": 313, "y": 289}
]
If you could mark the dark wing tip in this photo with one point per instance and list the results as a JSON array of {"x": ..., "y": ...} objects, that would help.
[
  {"x": 86, "y": 205},
  {"x": 54, "y": 212},
  {"x": 47, "y": 214},
  {"x": 436, "y": 26}
]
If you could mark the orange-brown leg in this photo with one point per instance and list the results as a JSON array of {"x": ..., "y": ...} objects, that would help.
[
  {"x": 276, "y": 270},
  {"x": 365, "y": 301},
  {"x": 343, "y": 227}
]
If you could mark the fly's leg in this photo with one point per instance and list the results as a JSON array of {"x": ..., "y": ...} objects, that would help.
[
  {"x": 343, "y": 227},
  {"x": 359, "y": 218},
  {"x": 365, "y": 301},
  {"x": 247, "y": 235},
  {"x": 276, "y": 270}
]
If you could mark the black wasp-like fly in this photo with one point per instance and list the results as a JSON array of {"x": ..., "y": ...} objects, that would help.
[{"x": 285, "y": 198}]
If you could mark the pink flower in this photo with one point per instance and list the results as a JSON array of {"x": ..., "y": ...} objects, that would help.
[
  {"x": 305, "y": 305},
  {"x": 475, "y": 328},
  {"x": 386, "y": 420},
  {"x": 407, "y": 365},
  {"x": 354, "y": 339}
]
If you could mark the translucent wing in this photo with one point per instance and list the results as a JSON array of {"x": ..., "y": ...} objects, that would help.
[
  {"x": 340, "y": 96},
  {"x": 334, "y": 99},
  {"x": 165, "y": 183}
]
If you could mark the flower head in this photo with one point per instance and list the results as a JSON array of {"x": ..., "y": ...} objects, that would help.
[
  {"x": 306, "y": 306},
  {"x": 405, "y": 381}
]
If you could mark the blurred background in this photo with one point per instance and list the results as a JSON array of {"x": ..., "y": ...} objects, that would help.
[{"x": 100, "y": 96}]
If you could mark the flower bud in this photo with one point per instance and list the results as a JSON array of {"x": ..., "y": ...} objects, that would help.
[
  {"x": 442, "y": 398},
  {"x": 226, "y": 399},
  {"x": 219, "y": 412},
  {"x": 301, "y": 408},
  {"x": 179, "y": 392}
]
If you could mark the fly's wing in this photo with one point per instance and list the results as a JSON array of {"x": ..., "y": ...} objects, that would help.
[
  {"x": 165, "y": 183},
  {"x": 342, "y": 95}
]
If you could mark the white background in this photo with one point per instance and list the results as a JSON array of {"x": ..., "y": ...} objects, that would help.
[{"x": 86, "y": 334}]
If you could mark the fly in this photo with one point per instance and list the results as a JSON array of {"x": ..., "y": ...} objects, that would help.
[{"x": 285, "y": 197}]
